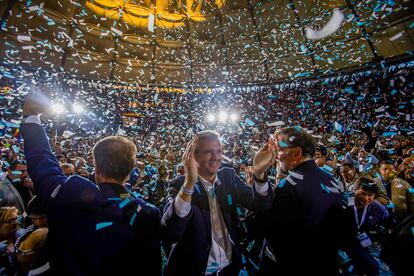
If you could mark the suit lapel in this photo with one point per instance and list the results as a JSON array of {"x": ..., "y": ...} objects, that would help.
[
  {"x": 224, "y": 198},
  {"x": 200, "y": 199}
]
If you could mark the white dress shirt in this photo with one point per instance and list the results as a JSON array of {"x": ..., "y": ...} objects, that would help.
[{"x": 221, "y": 250}]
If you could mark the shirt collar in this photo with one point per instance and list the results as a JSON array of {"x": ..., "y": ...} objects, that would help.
[
  {"x": 207, "y": 185},
  {"x": 305, "y": 165},
  {"x": 114, "y": 190}
]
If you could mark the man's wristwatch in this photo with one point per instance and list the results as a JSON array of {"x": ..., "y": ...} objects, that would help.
[{"x": 260, "y": 180}]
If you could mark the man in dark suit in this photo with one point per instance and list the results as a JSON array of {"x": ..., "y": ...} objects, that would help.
[
  {"x": 200, "y": 218},
  {"x": 301, "y": 227},
  {"x": 94, "y": 229}
]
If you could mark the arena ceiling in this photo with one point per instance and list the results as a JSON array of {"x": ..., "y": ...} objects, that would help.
[{"x": 200, "y": 42}]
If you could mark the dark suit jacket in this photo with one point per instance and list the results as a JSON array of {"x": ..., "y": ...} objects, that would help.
[
  {"x": 304, "y": 223},
  {"x": 93, "y": 230},
  {"x": 189, "y": 238}
]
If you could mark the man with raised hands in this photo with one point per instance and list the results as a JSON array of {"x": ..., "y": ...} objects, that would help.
[{"x": 200, "y": 223}]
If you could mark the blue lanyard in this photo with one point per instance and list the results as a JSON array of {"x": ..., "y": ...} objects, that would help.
[{"x": 364, "y": 214}]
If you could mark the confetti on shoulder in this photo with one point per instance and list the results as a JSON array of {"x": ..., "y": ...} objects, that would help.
[{"x": 101, "y": 225}]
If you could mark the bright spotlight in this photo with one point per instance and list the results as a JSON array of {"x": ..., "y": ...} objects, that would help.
[
  {"x": 234, "y": 117},
  {"x": 223, "y": 116},
  {"x": 58, "y": 108},
  {"x": 211, "y": 117},
  {"x": 77, "y": 108}
]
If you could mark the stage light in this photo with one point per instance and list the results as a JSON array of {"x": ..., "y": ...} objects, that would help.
[
  {"x": 234, "y": 117},
  {"x": 211, "y": 118},
  {"x": 58, "y": 108},
  {"x": 77, "y": 108},
  {"x": 223, "y": 116}
]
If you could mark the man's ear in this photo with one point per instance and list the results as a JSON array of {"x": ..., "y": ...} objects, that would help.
[
  {"x": 97, "y": 170},
  {"x": 297, "y": 154}
]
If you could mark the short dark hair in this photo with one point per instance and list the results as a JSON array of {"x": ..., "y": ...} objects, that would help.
[
  {"x": 208, "y": 135},
  {"x": 322, "y": 150},
  {"x": 348, "y": 164},
  {"x": 15, "y": 163},
  {"x": 35, "y": 207},
  {"x": 368, "y": 185},
  {"x": 115, "y": 156},
  {"x": 386, "y": 162},
  {"x": 298, "y": 137}
]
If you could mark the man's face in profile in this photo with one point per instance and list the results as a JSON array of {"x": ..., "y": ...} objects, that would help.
[{"x": 284, "y": 153}]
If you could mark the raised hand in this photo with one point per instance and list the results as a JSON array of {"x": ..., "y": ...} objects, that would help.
[
  {"x": 190, "y": 164},
  {"x": 249, "y": 175},
  {"x": 264, "y": 159},
  {"x": 35, "y": 104}
]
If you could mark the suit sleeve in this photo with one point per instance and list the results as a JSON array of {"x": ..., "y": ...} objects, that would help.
[
  {"x": 284, "y": 211},
  {"x": 410, "y": 200},
  {"x": 42, "y": 165},
  {"x": 249, "y": 197},
  {"x": 173, "y": 226},
  {"x": 381, "y": 195}
]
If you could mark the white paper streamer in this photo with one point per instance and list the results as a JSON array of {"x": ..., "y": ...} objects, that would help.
[
  {"x": 331, "y": 27},
  {"x": 151, "y": 20}
]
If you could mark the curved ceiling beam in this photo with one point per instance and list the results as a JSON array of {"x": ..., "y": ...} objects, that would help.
[
  {"x": 117, "y": 39},
  {"x": 307, "y": 43},
  {"x": 259, "y": 40},
  {"x": 365, "y": 33},
  {"x": 71, "y": 30},
  {"x": 226, "y": 60}
]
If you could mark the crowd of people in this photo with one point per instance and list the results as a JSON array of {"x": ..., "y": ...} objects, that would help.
[{"x": 258, "y": 198}]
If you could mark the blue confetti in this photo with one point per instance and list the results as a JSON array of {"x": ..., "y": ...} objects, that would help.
[
  {"x": 249, "y": 122},
  {"x": 324, "y": 188},
  {"x": 303, "y": 48},
  {"x": 197, "y": 189},
  {"x": 101, "y": 225},
  {"x": 123, "y": 203},
  {"x": 328, "y": 168},
  {"x": 134, "y": 216},
  {"x": 283, "y": 144},
  {"x": 229, "y": 199},
  {"x": 281, "y": 183},
  {"x": 114, "y": 198},
  {"x": 389, "y": 134}
]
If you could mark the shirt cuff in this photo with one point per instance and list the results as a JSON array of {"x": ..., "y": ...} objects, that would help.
[
  {"x": 261, "y": 188},
  {"x": 33, "y": 119},
  {"x": 182, "y": 208}
]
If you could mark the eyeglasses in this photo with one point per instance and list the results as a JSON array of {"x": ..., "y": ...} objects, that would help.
[
  {"x": 24, "y": 253},
  {"x": 37, "y": 217},
  {"x": 15, "y": 220}
]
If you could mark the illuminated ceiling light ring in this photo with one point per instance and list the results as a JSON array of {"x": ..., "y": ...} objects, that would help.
[
  {"x": 138, "y": 15},
  {"x": 104, "y": 12},
  {"x": 220, "y": 3},
  {"x": 135, "y": 21},
  {"x": 198, "y": 17},
  {"x": 107, "y": 4},
  {"x": 137, "y": 10},
  {"x": 171, "y": 17}
]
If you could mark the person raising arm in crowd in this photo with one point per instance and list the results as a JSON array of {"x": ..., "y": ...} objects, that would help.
[{"x": 94, "y": 229}]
